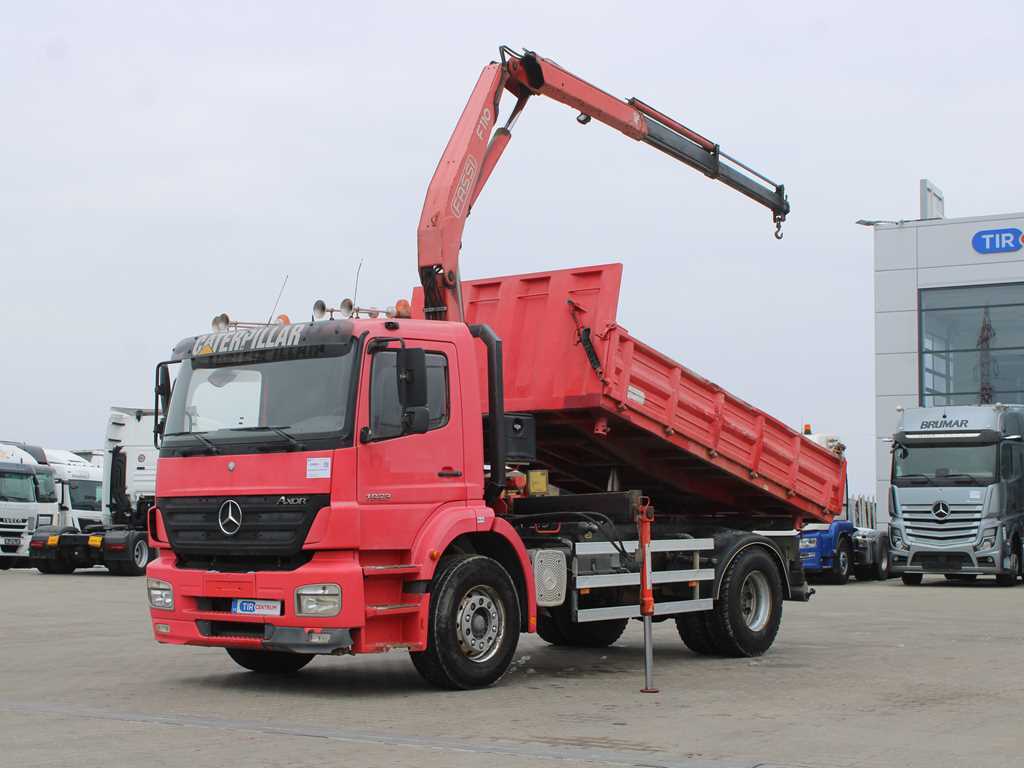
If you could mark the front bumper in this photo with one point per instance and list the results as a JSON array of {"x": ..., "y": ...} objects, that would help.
[
  {"x": 202, "y": 614},
  {"x": 990, "y": 562}
]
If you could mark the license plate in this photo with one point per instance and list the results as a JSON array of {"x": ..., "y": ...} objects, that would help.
[
  {"x": 11, "y": 541},
  {"x": 256, "y": 607}
]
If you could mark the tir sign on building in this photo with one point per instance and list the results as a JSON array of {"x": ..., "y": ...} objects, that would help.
[{"x": 949, "y": 319}]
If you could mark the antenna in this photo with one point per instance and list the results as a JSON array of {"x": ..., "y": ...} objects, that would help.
[
  {"x": 355, "y": 292},
  {"x": 278, "y": 300}
]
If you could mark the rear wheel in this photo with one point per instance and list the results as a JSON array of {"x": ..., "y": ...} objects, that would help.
[
  {"x": 473, "y": 626},
  {"x": 558, "y": 628},
  {"x": 748, "y": 612},
  {"x": 842, "y": 563},
  {"x": 912, "y": 579},
  {"x": 6, "y": 563},
  {"x": 269, "y": 662},
  {"x": 43, "y": 566},
  {"x": 694, "y": 631},
  {"x": 136, "y": 566}
]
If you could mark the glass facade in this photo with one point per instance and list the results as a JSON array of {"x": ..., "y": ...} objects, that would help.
[{"x": 972, "y": 344}]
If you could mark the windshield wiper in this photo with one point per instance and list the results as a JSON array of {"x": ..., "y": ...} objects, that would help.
[
  {"x": 208, "y": 443},
  {"x": 277, "y": 430},
  {"x": 960, "y": 476},
  {"x": 915, "y": 475}
]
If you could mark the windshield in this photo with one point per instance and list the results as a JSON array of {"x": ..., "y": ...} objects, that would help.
[
  {"x": 17, "y": 486},
  {"x": 275, "y": 400},
  {"x": 46, "y": 489},
  {"x": 944, "y": 465},
  {"x": 85, "y": 494}
]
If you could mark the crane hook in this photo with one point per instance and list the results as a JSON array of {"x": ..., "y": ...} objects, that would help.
[{"x": 778, "y": 227}]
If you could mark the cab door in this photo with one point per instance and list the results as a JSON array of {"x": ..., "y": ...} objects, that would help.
[{"x": 403, "y": 478}]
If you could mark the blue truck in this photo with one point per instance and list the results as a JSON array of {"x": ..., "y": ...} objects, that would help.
[{"x": 835, "y": 551}]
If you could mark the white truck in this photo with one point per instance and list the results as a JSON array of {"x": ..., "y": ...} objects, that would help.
[
  {"x": 27, "y": 499},
  {"x": 116, "y": 535},
  {"x": 79, "y": 490},
  {"x": 957, "y": 494}
]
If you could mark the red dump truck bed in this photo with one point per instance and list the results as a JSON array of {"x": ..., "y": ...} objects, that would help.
[{"x": 684, "y": 441}]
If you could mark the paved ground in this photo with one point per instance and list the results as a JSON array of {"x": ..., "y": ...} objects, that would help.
[{"x": 864, "y": 675}]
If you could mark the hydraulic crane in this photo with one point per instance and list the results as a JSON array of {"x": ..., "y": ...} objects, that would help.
[{"x": 476, "y": 146}]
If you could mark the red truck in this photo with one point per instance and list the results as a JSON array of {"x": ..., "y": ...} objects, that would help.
[{"x": 498, "y": 457}]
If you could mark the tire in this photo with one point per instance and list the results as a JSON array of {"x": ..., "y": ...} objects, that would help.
[
  {"x": 558, "y": 628},
  {"x": 136, "y": 565},
  {"x": 694, "y": 631},
  {"x": 269, "y": 662},
  {"x": 6, "y": 563},
  {"x": 912, "y": 579},
  {"x": 841, "y": 563},
  {"x": 473, "y": 624},
  {"x": 961, "y": 577},
  {"x": 1010, "y": 579},
  {"x": 115, "y": 568},
  {"x": 548, "y": 628},
  {"x": 882, "y": 566},
  {"x": 43, "y": 566},
  {"x": 747, "y": 614}
]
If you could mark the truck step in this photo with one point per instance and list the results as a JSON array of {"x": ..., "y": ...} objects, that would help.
[
  {"x": 390, "y": 570},
  {"x": 391, "y": 609}
]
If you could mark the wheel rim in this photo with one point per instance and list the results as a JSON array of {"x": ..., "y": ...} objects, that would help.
[
  {"x": 885, "y": 561},
  {"x": 844, "y": 561},
  {"x": 756, "y": 601},
  {"x": 141, "y": 553},
  {"x": 480, "y": 624}
]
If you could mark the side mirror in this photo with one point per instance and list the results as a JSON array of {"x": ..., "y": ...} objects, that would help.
[
  {"x": 416, "y": 420},
  {"x": 163, "y": 387},
  {"x": 411, "y": 366}
]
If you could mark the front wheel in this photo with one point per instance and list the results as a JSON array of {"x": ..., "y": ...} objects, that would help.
[
  {"x": 841, "y": 564},
  {"x": 748, "y": 612},
  {"x": 882, "y": 569},
  {"x": 269, "y": 662},
  {"x": 473, "y": 624},
  {"x": 912, "y": 579}
]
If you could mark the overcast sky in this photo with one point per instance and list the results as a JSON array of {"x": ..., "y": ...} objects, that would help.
[{"x": 163, "y": 162}]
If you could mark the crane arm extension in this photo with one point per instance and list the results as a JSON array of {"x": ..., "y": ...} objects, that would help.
[{"x": 476, "y": 146}]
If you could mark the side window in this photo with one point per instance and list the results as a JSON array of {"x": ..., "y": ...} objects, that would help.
[
  {"x": 1018, "y": 460},
  {"x": 386, "y": 411}
]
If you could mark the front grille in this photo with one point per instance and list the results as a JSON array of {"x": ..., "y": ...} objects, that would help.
[
  {"x": 12, "y": 526},
  {"x": 959, "y": 529},
  {"x": 269, "y": 530}
]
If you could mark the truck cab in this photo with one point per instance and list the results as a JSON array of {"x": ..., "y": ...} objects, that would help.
[
  {"x": 27, "y": 499},
  {"x": 957, "y": 493},
  {"x": 79, "y": 490}
]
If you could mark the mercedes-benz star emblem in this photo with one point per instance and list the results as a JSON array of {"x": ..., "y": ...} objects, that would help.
[
  {"x": 229, "y": 517},
  {"x": 941, "y": 510}
]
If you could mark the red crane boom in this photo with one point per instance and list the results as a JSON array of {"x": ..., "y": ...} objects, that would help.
[{"x": 476, "y": 146}]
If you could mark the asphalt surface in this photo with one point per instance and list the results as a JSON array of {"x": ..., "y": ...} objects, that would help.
[{"x": 868, "y": 674}]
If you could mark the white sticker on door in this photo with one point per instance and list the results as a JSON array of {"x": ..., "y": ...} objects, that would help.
[{"x": 317, "y": 467}]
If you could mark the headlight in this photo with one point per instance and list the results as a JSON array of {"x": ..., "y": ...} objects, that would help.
[
  {"x": 988, "y": 539},
  {"x": 318, "y": 600},
  {"x": 808, "y": 543},
  {"x": 896, "y": 539},
  {"x": 30, "y": 523},
  {"x": 161, "y": 594}
]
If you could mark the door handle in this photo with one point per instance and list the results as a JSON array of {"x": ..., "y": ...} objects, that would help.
[{"x": 449, "y": 472}]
